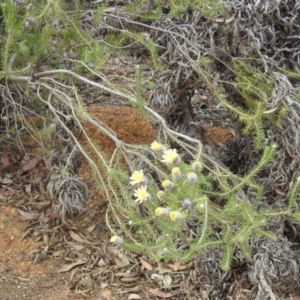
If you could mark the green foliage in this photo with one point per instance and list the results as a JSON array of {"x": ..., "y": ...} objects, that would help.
[
  {"x": 159, "y": 222},
  {"x": 208, "y": 8},
  {"x": 255, "y": 89},
  {"x": 21, "y": 28},
  {"x": 175, "y": 219}
]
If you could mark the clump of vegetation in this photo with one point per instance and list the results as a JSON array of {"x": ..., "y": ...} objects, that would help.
[
  {"x": 192, "y": 208},
  {"x": 173, "y": 201}
]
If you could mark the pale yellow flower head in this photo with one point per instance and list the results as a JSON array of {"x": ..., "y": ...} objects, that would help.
[
  {"x": 167, "y": 184},
  {"x": 175, "y": 216},
  {"x": 142, "y": 195},
  {"x": 157, "y": 147},
  {"x": 116, "y": 240},
  {"x": 160, "y": 194},
  {"x": 138, "y": 177},
  {"x": 176, "y": 174},
  {"x": 171, "y": 157},
  {"x": 196, "y": 166},
  {"x": 162, "y": 212}
]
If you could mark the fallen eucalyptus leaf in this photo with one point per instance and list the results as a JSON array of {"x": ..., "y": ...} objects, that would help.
[
  {"x": 114, "y": 252},
  {"x": 134, "y": 296},
  {"x": 146, "y": 264},
  {"x": 30, "y": 164},
  {"x": 76, "y": 237},
  {"x": 28, "y": 215},
  {"x": 91, "y": 228},
  {"x": 119, "y": 262},
  {"x": 160, "y": 293},
  {"x": 66, "y": 268}
]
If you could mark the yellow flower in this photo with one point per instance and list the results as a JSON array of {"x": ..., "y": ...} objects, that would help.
[
  {"x": 160, "y": 194},
  {"x": 175, "y": 216},
  {"x": 156, "y": 147},
  {"x": 142, "y": 195},
  {"x": 171, "y": 157},
  {"x": 196, "y": 166},
  {"x": 138, "y": 177},
  {"x": 167, "y": 184},
  {"x": 176, "y": 174},
  {"x": 161, "y": 212},
  {"x": 116, "y": 240}
]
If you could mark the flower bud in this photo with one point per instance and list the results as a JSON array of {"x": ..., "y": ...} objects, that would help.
[
  {"x": 176, "y": 174},
  {"x": 188, "y": 204},
  {"x": 55, "y": 23},
  {"x": 157, "y": 148},
  {"x": 162, "y": 212},
  {"x": 167, "y": 185},
  {"x": 18, "y": 3},
  {"x": 192, "y": 177},
  {"x": 116, "y": 240},
  {"x": 160, "y": 194},
  {"x": 175, "y": 216},
  {"x": 30, "y": 21},
  {"x": 196, "y": 166},
  {"x": 202, "y": 202}
]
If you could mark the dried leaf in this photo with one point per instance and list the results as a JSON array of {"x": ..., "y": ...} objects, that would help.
[
  {"x": 91, "y": 228},
  {"x": 46, "y": 239},
  {"x": 76, "y": 237},
  {"x": 114, "y": 252},
  {"x": 12, "y": 167},
  {"x": 66, "y": 268},
  {"x": 175, "y": 266},
  {"x": 5, "y": 160},
  {"x": 134, "y": 296},
  {"x": 30, "y": 164},
  {"x": 10, "y": 189},
  {"x": 28, "y": 215},
  {"x": 57, "y": 253},
  {"x": 160, "y": 293},
  {"x": 28, "y": 188},
  {"x": 119, "y": 262},
  {"x": 78, "y": 247},
  {"x": 146, "y": 265},
  {"x": 6, "y": 181}
]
